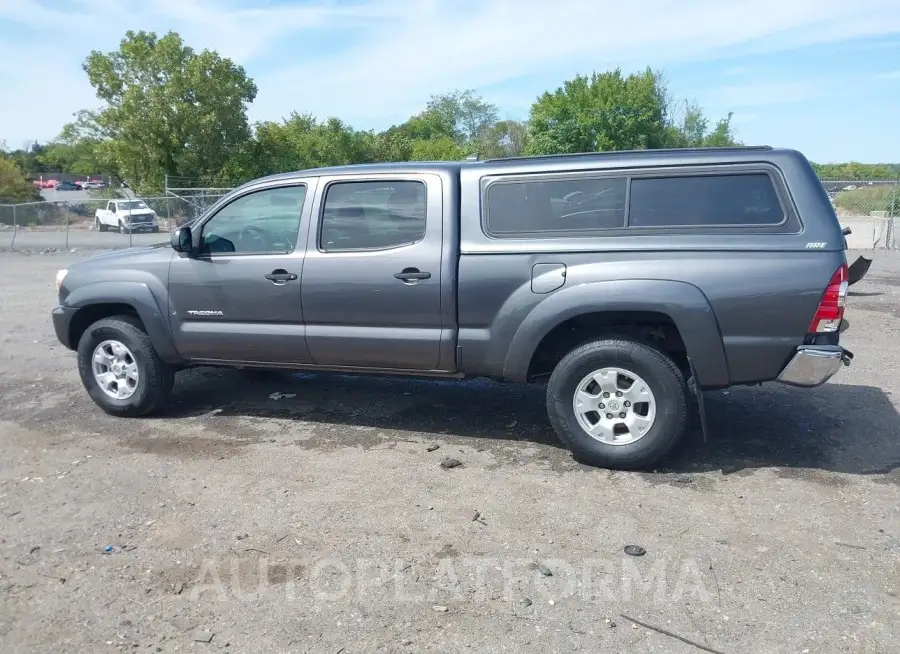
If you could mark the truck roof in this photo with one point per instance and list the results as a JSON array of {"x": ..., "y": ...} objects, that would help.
[{"x": 560, "y": 162}]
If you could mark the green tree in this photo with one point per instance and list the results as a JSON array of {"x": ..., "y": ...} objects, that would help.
[
  {"x": 467, "y": 115},
  {"x": 443, "y": 148},
  {"x": 392, "y": 145},
  {"x": 459, "y": 117},
  {"x": 606, "y": 111},
  {"x": 853, "y": 170},
  {"x": 297, "y": 143},
  {"x": 722, "y": 135},
  {"x": 169, "y": 109},
  {"x": 611, "y": 111},
  {"x": 507, "y": 138},
  {"x": 688, "y": 127},
  {"x": 14, "y": 184},
  {"x": 29, "y": 157}
]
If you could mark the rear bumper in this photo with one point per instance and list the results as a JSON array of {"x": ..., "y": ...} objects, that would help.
[{"x": 813, "y": 365}]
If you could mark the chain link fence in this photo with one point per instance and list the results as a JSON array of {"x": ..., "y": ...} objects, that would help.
[
  {"x": 69, "y": 224},
  {"x": 870, "y": 208}
]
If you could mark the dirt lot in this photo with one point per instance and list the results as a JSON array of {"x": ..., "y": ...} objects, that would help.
[{"x": 323, "y": 521}]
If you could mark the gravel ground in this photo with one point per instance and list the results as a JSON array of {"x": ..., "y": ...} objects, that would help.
[{"x": 323, "y": 521}]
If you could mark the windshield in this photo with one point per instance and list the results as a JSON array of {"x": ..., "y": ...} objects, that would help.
[{"x": 137, "y": 204}]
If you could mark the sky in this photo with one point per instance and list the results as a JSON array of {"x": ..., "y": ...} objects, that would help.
[{"x": 821, "y": 76}]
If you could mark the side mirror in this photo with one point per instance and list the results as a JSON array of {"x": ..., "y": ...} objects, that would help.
[{"x": 181, "y": 239}]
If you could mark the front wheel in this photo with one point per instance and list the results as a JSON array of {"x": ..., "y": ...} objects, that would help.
[
  {"x": 122, "y": 228},
  {"x": 617, "y": 403},
  {"x": 121, "y": 370}
]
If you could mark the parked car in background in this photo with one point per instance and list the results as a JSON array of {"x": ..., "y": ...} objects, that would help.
[
  {"x": 93, "y": 184},
  {"x": 126, "y": 216},
  {"x": 67, "y": 186},
  {"x": 627, "y": 281}
]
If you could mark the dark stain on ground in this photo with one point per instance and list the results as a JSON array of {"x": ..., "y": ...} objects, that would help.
[
  {"x": 237, "y": 575},
  {"x": 446, "y": 552},
  {"x": 688, "y": 482},
  {"x": 187, "y": 447},
  {"x": 815, "y": 476}
]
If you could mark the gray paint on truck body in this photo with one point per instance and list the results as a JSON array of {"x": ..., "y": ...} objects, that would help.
[{"x": 741, "y": 297}]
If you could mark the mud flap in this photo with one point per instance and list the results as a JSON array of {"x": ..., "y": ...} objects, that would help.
[
  {"x": 846, "y": 356},
  {"x": 858, "y": 270},
  {"x": 698, "y": 395}
]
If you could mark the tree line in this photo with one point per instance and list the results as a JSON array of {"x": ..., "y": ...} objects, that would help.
[{"x": 169, "y": 110}]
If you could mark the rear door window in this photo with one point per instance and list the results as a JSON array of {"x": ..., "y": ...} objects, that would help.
[{"x": 372, "y": 215}]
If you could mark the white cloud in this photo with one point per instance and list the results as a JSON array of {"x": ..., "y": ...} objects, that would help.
[
  {"x": 394, "y": 70},
  {"x": 894, "y": 74},
  {"x": 393, "y": 54}
]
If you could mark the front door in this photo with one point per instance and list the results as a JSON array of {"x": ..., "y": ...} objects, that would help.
[
  {"x": 372, "y": 276},
  {"x": 238, "y": 298}
]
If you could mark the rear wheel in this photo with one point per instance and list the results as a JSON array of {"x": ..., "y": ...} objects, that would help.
[
  {"x": 120, "y": 370},
  {"x": 617, "y": 403}
]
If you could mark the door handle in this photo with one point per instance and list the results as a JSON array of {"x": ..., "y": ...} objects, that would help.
[
  {"x": 281, "y": 276},
  {"x": 411, "y": 275}
]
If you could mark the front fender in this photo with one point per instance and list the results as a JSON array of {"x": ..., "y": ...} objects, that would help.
[
  {"x": 683, "y": 303},
  {"x": 137, "y": 295}
]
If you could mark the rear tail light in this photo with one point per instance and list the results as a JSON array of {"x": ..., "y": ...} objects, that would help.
[{"x": 831, "y": 309}]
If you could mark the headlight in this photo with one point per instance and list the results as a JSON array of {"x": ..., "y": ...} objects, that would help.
[{"x": 60, "y": 276}]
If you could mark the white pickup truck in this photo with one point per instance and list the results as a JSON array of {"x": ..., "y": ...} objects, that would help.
[{"x": 126, "y": 216}]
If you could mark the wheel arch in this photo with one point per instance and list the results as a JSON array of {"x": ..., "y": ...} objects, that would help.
[
  {"x": 106, "y": 299},
  {"x": 679, "y": 303}
]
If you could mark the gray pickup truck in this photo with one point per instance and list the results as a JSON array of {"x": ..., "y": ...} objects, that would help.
[{"x": 628, "y": 282}]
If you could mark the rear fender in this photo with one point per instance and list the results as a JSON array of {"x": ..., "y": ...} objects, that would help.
[{"x": 683, "y": 303}]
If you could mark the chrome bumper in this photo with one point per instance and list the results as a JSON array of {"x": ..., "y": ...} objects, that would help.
[{"x": 813, "y": 365}]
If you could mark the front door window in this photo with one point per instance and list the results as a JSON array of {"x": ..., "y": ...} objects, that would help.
[{"x": 264, "y": 222}]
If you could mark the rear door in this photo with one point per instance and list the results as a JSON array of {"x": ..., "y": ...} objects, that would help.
[
  {"x": 372, "y": 276},
  {"x": 238, "y": 298}
]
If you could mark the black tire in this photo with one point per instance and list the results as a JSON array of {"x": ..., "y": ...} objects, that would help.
[
  {"x": 155, "y": 376},
  {"x": 156, "y": 230},
  {"x": 655, "y": 368},
  {"x": 122, "y": 228}
]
